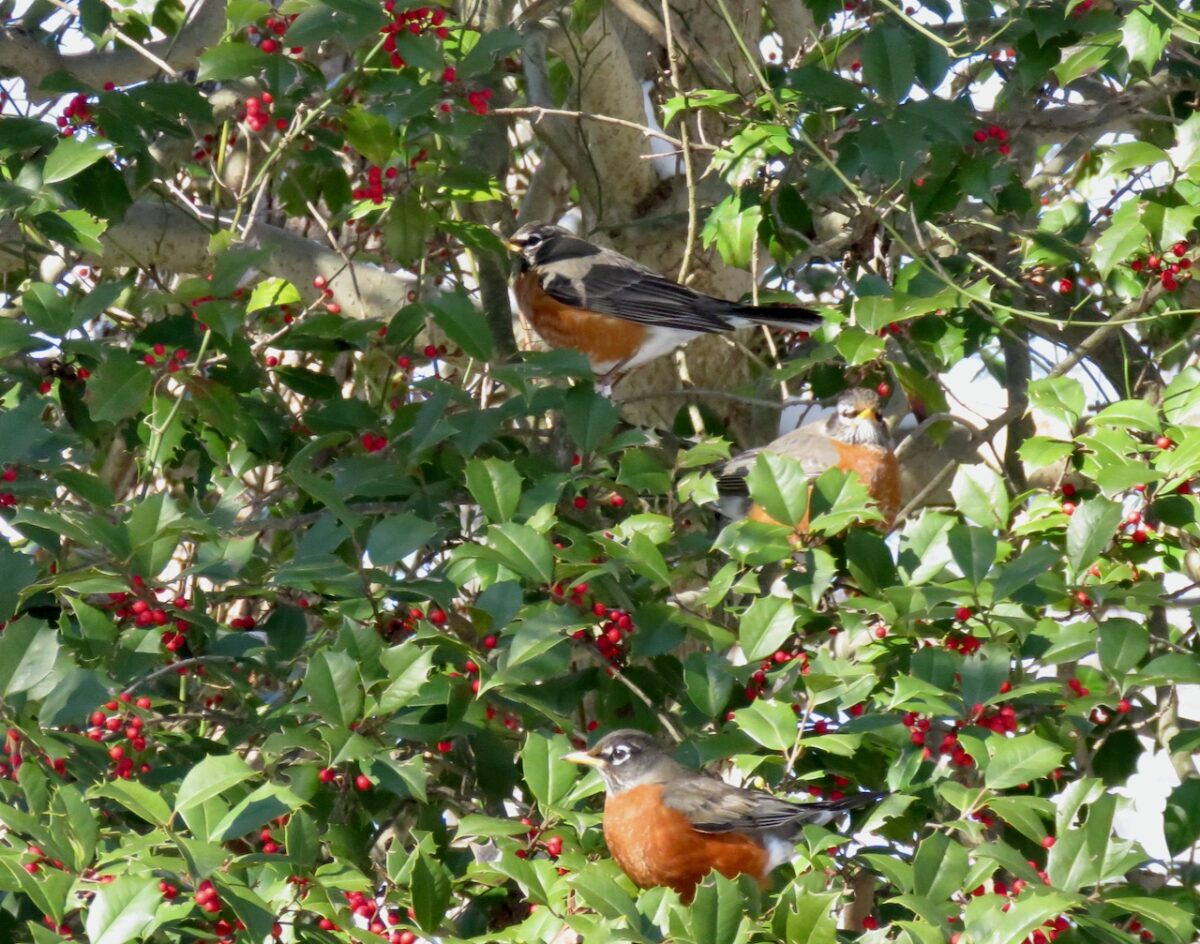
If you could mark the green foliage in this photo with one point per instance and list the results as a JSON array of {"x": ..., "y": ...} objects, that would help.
[{"x": 307, "y": 587}]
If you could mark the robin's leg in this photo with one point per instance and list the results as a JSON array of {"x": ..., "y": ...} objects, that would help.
[{"x": 607, "y": 380}]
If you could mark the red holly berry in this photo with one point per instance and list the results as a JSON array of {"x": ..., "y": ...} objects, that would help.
[
  {"x": 1048, "y": 842},
  {"x": 437, "y": 617},
  {"x": 963, "y": 613},
  {"x": 362, "y": 783}
]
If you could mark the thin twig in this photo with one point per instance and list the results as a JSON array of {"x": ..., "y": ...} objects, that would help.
[
  {"x": 661, "y": 715},
  {"x": 176, "y": 666},
  {"x": 127, "y": 40},
  {"x": 689, "y": 174},
  {"x": 722, "y": 394},
  {"x": 537, "y": 112},
  {"x": 920, "y": 428}
]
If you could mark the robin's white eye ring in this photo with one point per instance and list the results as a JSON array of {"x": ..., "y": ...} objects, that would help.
[
  {"x": 532, "y": 240},
  {"x": 620, "y": 754}
]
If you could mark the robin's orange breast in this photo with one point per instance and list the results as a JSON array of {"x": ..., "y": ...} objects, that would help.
[
  {"x": 656, "y": 845},
  {"x": 878, "y": 470},
  {"x": 601, "y": 338}
]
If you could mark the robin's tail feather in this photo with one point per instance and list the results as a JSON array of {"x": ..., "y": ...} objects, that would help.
[
  {"x": 787, "y": 317},
  {"x": 825, "y": 811}
]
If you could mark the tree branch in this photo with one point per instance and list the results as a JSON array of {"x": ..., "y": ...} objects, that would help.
[
  {"x": 26, "y": 55},
  {"x": 162, "y": 234}
]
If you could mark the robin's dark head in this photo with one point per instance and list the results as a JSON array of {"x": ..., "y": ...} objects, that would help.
[
  {"x": 628, "y": 759},
  {"x": 857, "y": 420},
  {"x": 540, "y": 243}
]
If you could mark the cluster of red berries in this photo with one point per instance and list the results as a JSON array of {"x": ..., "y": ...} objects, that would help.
[
  {"x": 1000, "y": 719},
  {"x": 205, "y": 146},
  {"x": 612, "y": 625},
  {"x": 380, "y": 921},
  {"x": 963, "y": 643},
  {"x": 374, "y": 189},
  {"x": 1156, "y": 267},
  {"x": 993, "y": 133},
  {"x": 174, "y": 363},
  {"x": 122, "y": 731},
  {"x": 268, "y": 843},
  {"x": 478, "y": 100},
  {"x": 373, "y": 442},
  {"x": 919, "y": 731},
  {"x": 226, "y": 930},
  {"x": 13, "y": 757},
  {"x": 416, "y": 20},
  {"x": 1136, "y": 528},
  {"x": 257, "y": 113},
  {"x": 893, "y": 328},
  {"x": 143, "y": 608},
  {"x": 197, "y": 302},
  {"x": 274, "y": 30},
  {"x": 207, "y": 897},
  {"x": 77, "y": 114},
  {"x": 510, "y": 721},
  {"x": 62, "y": 930},
  {"x": 580, "y": 502},
  {"x": 321, "y": 284},
  {"x": 837, "y": 793},
  {"x": 758, "y": 680},
  {"x": 400, "y": 625},
  {"x": 39, "y": 859},
  {"x": 552, "y": 845},
  {"x": 8, "y": 499},
  {"x": 362, "y": 783}
]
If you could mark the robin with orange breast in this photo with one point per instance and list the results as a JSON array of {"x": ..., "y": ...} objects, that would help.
[
  {"x": 668, "y": 825},
  {"x": 854, "y": 439},
  {"x": 617, "y": 312}
]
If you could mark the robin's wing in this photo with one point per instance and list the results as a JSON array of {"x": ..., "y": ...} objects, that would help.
[
  {"x": 713, "y": 806},
  {"x": 605, "y": 281},
  {"x": 809, "y": 445}
]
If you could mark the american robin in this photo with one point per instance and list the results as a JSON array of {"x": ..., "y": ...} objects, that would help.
[
  {"x": 617, "y": 312},
  {"x": 668, "y": 825},
  {"x": 853, "y": 439}
]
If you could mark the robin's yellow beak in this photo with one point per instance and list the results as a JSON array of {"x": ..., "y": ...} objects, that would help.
[
  {"x": 869, "y": 414},
  {"x": 513, "y": 245},
  {"x": 583, "y": 758}
]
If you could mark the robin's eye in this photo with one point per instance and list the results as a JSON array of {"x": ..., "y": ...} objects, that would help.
[
  {"x": 532, "y": 240},
  {"x": 619, "y": 754}
]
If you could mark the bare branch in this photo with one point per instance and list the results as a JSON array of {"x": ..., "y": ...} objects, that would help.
[
  {"x": 162, "y": 234},
  {"x": 26, "y": 55}
]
